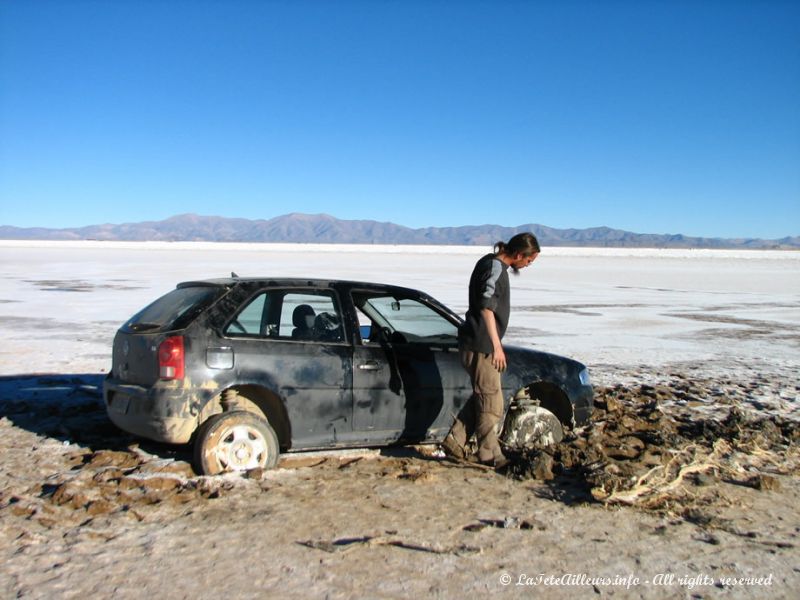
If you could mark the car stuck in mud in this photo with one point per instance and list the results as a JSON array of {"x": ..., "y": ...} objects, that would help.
[{"x": 248, "y": 368}]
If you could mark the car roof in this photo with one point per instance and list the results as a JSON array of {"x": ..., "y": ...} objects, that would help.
[{"x": 299, "y": 282}]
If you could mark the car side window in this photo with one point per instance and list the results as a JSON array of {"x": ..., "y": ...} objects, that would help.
[
  {"x": 251, "y": 320},
  {"x": 252, "y": 315},
  {"x": 402, "y": 320},
  {"x": 310, "y": 317},
  {"x": 289, "y": 315}
]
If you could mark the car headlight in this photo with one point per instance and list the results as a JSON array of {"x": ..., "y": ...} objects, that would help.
[{"x": 584, "y": 377}]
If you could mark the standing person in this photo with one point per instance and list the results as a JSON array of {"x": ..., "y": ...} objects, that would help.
[{"x": 481, "y": 350}]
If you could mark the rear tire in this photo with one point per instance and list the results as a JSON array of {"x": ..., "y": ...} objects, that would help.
[{"x": 235, "y": 441}]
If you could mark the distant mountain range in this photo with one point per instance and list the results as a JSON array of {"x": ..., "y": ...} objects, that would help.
[{"x": 304, "y": 228}]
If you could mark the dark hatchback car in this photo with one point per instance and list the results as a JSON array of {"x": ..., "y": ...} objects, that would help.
[{"x": 249, "y": 368}]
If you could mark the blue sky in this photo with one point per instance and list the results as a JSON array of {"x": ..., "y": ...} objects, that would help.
[{"x": 649, "y": 116}]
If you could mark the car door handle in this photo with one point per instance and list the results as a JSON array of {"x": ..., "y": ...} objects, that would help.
[{"x": 370, "y": 366}]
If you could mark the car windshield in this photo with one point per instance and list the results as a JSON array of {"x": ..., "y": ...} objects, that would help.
[
  {"x": 414, "y": 320},
  {"x": 174, "y": 310}
]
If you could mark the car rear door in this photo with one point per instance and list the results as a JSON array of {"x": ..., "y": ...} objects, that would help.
[{"x": 308, "y": 366}]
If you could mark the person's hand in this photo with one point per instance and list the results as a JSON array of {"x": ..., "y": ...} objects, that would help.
[{"x": 499, "y": 358}]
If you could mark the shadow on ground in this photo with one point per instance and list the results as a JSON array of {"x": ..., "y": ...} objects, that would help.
[{"x": 69, "y": 408}]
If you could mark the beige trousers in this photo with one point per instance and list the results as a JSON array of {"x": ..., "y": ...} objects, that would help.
[{"x": 483, "y": 410}]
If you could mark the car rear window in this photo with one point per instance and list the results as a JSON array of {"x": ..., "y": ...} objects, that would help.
[{"x": 175, "y": 310}]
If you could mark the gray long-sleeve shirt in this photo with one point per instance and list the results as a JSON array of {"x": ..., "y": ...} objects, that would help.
[{"x": 488, "y": 288}]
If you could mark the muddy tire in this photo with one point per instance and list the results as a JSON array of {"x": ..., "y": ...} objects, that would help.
[
  {"x": 529, "y": 427},
  {"x": 235, "y": 441}
]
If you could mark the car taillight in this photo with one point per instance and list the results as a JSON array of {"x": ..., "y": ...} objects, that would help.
[{"x": 170, "y": 358}]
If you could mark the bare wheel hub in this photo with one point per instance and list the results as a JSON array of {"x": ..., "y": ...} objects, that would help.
[
  {"x": 530, "y": 426},
  {"x": 241, "y": 448}
]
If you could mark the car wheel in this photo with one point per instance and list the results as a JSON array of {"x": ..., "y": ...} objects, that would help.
[
  {"x": 235, "y": 441},
  {"x": 531, "y": 427}
]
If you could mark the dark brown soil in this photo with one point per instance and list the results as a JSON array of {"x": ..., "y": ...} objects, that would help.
[{"x": 652, "y": 446}]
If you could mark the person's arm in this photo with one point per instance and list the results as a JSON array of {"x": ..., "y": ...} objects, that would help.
[{"x": 498, "y": 354}]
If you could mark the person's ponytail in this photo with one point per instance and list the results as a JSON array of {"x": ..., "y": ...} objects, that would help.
[{"x": 525, "y": 244}]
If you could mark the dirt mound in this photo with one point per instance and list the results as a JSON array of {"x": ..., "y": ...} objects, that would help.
[{"x": 658, "y": 447}]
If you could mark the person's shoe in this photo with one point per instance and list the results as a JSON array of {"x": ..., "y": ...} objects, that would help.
[
  {"x": 501, "y": 463},
  {"x": 452, "y": 449},
  {"x": 498, "y": 464}
]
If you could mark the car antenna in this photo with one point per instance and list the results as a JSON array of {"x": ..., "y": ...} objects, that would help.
[{"x": 234, "y": 275}]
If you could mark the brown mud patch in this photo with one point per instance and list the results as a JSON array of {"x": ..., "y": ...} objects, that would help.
[{"x": 665, "y": 448}]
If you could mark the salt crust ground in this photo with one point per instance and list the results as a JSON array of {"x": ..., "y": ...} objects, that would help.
[{"x": 87, "y": 511}]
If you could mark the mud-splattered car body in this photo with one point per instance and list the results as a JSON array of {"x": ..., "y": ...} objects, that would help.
[{"x": 324, "y": 363}]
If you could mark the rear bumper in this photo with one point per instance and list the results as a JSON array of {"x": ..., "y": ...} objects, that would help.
[{"x": 163, "y": 414}]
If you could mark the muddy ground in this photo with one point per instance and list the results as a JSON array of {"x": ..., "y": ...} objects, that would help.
[{"x": 682, "y": 486}]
